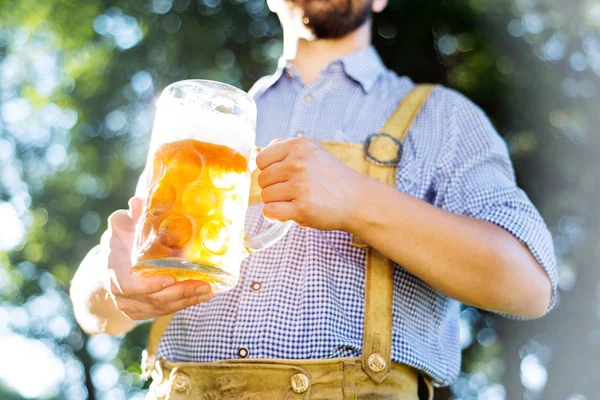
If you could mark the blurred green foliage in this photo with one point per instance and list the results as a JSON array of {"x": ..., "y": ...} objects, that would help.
[{"x": 77, "y": 84}]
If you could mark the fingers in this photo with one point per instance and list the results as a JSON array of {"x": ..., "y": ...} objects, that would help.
[
  {"x": 277, "y": 192},
  {"x": 126, "y": 219},
  {"x": 140, "y": 310},
  {"x": 275, "y": 152},
  {"x": 271, "y": 175},
  {"x": 121, "y": 220},
  {"x": 178, "y": 305},
  {"x": 135, "y": 209},
  {"x": 179, "y": 291},
  {"x": 283, "y": 211},
  {"x": 129, "y": 286}
]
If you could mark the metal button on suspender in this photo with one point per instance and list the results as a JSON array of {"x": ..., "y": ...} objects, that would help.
[
  {"x": 299, "y": 383},
  {"x": 376, "y": 362},
  {"x": 179, "y": 381}
]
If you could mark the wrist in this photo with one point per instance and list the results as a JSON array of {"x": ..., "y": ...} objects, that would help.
[{"x": 363, "y": 209}]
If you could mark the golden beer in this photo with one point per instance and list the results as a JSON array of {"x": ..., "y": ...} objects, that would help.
[{"x": 195, "y": 200}]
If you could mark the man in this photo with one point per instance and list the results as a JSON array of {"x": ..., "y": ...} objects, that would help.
[{"x": 455, "y": 225}]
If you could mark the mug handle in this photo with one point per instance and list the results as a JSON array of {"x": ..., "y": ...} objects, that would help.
[
  {"x": 267, "y": 238},
  {"x": 274, "y": 233}
]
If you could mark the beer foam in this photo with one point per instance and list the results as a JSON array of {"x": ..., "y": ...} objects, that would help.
[{"x": 192, "y": 121}]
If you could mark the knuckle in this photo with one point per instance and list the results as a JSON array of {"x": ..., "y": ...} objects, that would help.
[
  {"x": 190, "y": 291},
  {"x": 160, "y": 308},
  {"x": 265, "y": 195},
  {"x": 262, "y": 180},
  {"x": 153, "y": 300},
  {"x": 191, "y": 302},
  {"x": 302, "y": 209},
  {"x": 298, "y": 187},
  {"x": 296, "y": 165},
  {"x": 300, "y": 143},
  {"x": 183, "y": 294}
]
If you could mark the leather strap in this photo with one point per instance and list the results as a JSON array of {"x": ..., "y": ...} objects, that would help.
[
  {"x": 399, "y": 124},
  {"x": 159, "y": 326},
  {"x": 379, "y": 270}
]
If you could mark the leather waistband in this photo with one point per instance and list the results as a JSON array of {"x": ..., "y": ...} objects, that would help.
[{"x": 341, "y": 378}]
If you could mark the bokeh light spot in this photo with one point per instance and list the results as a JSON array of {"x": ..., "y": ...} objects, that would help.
[
  {"x": 12, "y": 230},
  {"x": 447, "y": 44},
  {"x": 161, "y": 6},
  {"x": 534, "y": 375},
  {"x": 44, "y": 370}
]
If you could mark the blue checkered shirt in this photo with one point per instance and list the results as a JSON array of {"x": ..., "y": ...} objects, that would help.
[{"x": 310, "y": 302}]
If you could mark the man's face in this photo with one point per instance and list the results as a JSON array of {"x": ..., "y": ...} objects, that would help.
[{"x": 326, "y": 19}]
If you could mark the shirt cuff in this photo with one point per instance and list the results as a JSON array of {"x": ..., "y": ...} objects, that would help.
[{"x": 525, "y": 224}]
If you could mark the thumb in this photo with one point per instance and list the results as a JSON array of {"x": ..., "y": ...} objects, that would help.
[
  {"x": 135, "y": 209},
  {"x": 277, "y": 140}
]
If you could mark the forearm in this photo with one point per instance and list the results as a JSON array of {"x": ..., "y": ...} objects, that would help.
[
  {"x": 94, "y": 309},
  {"x": 473, "y": 261}
]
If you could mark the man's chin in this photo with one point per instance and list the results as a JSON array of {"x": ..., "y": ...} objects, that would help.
[
  {"x": 334, "y": 21},
  {"x": 323, "y": 19}
]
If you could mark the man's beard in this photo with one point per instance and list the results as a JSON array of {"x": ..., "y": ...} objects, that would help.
[{"x": 333, "y": 19}]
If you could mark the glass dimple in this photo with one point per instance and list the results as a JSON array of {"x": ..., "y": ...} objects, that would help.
[
  {"x": 175, "y": 231},
  {"x": 225, "y": 179},
  {"x": 185, "y": 166},
  {"x": 161, "y": 200},
  {"x": 215, "y": 236},
  {"x": 200, "y": 199}
]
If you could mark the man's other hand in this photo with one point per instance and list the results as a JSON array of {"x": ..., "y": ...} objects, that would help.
[
  {"x": 148, "y": 297},
  {"x": 302, "y": 181}
]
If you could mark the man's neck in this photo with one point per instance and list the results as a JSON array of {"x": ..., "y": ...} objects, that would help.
[{"x": 309, "y": 57}]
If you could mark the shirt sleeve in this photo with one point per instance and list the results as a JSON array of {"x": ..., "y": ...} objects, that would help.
[{"x": 475, "y": 177}]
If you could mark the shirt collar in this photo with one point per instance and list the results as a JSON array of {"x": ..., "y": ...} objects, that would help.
[{"x": 363, "y": 66}]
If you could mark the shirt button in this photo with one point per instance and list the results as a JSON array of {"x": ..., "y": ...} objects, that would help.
[
  {"x": 243, "y": 352},
  {"x": 308, "y": 99},
  {"x": 299, "y": 134},
  {"x": 256, "y": 286}
]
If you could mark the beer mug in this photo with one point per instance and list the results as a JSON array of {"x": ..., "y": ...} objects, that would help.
[{"x": 197, "y": 185}]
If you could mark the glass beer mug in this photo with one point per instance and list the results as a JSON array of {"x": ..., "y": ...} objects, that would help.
[{"x": 197, "y": 186}]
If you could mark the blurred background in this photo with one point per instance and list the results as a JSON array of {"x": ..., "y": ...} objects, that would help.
[{"x": 78, "y": 80}]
